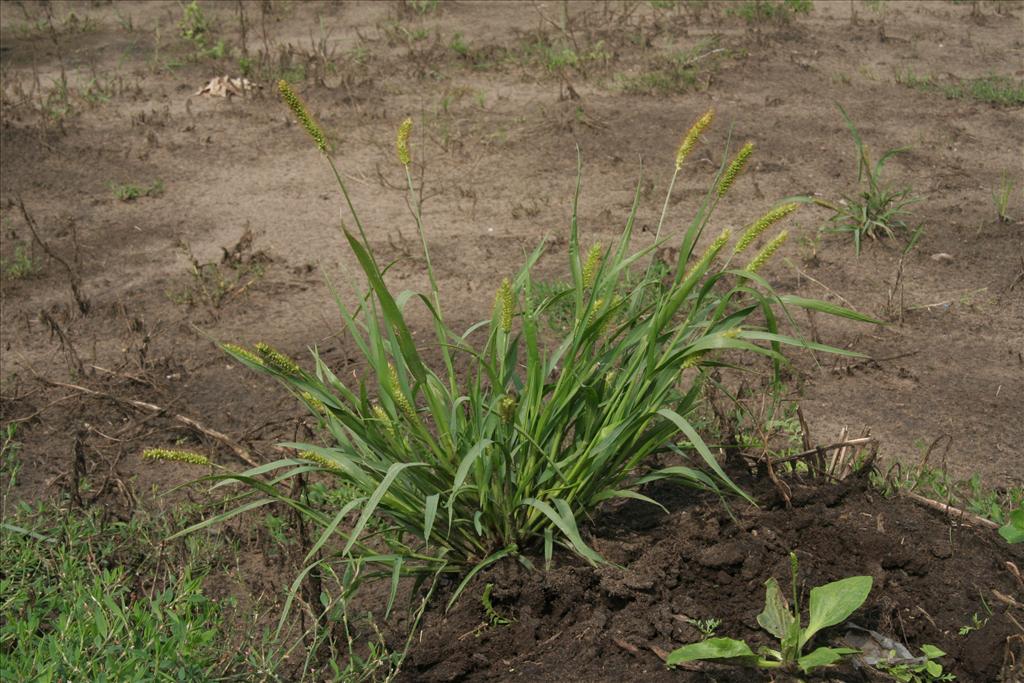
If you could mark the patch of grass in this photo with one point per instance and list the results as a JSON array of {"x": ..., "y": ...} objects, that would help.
[
  {"x": 992, "y": 89},
  {"x": 878, "y": 209},
  {"x": 215, "y": 283},
  {"x": 1001, "y": 197},
  {"x": 677, "y": 72},
  {"x": 20, "y": 265},
  {"x": 763, "y": 11},
  {"x": 74, "y": 608},
  {"x": 130, "y": 191}
]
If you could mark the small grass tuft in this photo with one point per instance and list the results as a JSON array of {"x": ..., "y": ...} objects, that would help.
[{"x": 878, "y": 210}]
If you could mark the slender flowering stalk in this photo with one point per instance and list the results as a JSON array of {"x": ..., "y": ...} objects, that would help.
[
  {"x": 762, "y": 224},
  {"x": 688, "y": 143},
  {"x": 709, "y": 253},
  {"x": 299, "y": 109},
  {"x": 505, "y": 300},
  {"x": 766, "y": 253},
  {"x": 735, "y": 168},
  {"x": 277, "y": 360},
  {"x": 402, "y": 142},
  {"x": 243, "y": 352},
  {"x": 189, "y": 457}
]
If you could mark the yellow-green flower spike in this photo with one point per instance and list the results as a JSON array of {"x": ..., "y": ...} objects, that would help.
[
  {"x": 694, "y": 360},
  {"x": 277, "y": 360},
  {"x": 318, "y": 459},
  {"x": 709, "y": 253},
  {"x": 189, "y": 457},
  {"x": 401, "y": 400},
  {"x": 735, "y": 168},
  {"x": 507, "y": 408},
  {"x": 690, "y": 140},
  {"x": 314, "y": 403},
  {"x": 402, "y": 142},
  {"x": 766, "y": 253},
  {"x": 762, "y": 224},
  {"x": 384, "y": 418},
  {"x": 592, "y": 265},
  {"x": 243, "y": 352},
  {"x": 506, "y": 301},
  {"x": 299, "y": 109}
]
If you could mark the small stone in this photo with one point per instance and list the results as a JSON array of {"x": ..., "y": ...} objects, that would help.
[{"x": 942, "y": 257}]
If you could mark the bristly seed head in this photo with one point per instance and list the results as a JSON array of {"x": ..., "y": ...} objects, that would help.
[
  {"x": 505, "y": 300},
  {"x": 189, "y": 457},
  {"x": 763, "y": 223},
  {"x": 507, "y": 408},
  {"x": 735, "y": 168},
  {"x": 402, "y": 142},
  {"x": 299, "y": 109},
  {"x": 709, "y": 253},
  {"x": 766, "y": 253},
  {"x": 277, "y": 360},
  {"x": 314, "y": 403},
  {"x": 688, "y": 143},
  {"x": 318, "y": 459},
  {"x": 384, "y": 418},
  {"x": 592, "y": 265},
  {"x": 401, "y": 400},
  {"x": 243, "y": 352}
]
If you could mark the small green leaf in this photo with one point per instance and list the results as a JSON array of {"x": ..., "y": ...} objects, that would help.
[
  {"x": 1013, "y": 530},
  {"x": 835, "y": 601},
  {"x": 713, "y": 648},
  {"x": 776, "y": 617},
  {"x": 932, "y": 652},
  {"x": 934, "y": 669}
]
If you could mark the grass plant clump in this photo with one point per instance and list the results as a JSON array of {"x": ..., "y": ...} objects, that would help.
[
  {"x": 878, "y": 210},
  {"x": 452, "y": 470}
]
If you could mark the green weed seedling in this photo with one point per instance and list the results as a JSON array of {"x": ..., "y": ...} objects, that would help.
[
  {"x": 130, "y": 191},
  {"x": 922, "y": 672},
  {"x": 1013, "y": 530},
  {"x": 493, "y": 616},
  {"x": 20, "y": 265},
  {"x": 878, "y": 209},
  {"x": 829, "y": 605},
  {"x": 1001, "y": 198}
]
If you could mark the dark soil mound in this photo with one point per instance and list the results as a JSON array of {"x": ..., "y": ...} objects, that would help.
[{"x": 579, "y": 623}]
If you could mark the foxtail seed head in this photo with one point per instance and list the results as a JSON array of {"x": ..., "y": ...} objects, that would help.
[
  {"x": 189, "y": 457},
  {"x": 690, "y": 140},
  {"x": 314, "y": 403},
  {"x": 766, "y": 253},
  {"x": 694, "y": 360},
  {"x": 277, "y": 360},
  {"x": 592, "y": 265},
  {"x": 735, "y": 168},
  {"x": 299, "y": 109},
  {"x": 507, "y": 408},
  {"x": 709, "y": 253},
  {"x": 318, "y": 459},
  {"x": 505, "y": 300},
  {"x": 243, "y": 352},
  {"x": 763, "y": 223},
  {"x": 384, "y": 418},
  {"x": 402, "y": 142},
  {"x": 401, "y": 400}
]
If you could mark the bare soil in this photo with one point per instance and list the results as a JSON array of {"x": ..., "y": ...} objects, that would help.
[{"x": 240, "y": 230}]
